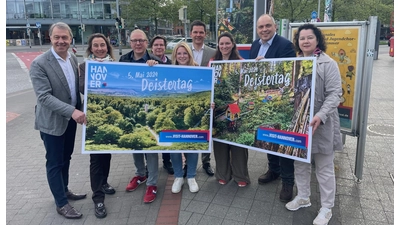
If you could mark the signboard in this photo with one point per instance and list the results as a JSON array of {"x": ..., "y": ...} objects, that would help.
[
  {"x": 344, "y": 46},
  {"x": 265, "y": 105},
  {"x": 38, "y": 25},
  {"x": 313, "y": 15},
  {"x": 136, "y": 108}
]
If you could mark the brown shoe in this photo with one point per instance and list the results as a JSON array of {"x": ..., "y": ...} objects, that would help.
[
  {"x": 286, "y": 193},
  {"x": 268, "y": 177},
  {"x": 73, "y": 196},
  {"x": 69, "y": 212}
]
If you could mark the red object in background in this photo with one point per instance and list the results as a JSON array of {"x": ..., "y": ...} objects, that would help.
[{"x": 391, "y": 48}]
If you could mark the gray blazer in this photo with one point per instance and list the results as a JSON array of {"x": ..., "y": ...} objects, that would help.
[
  {"x": 208, "y": 53},
  {"x": 53, "y": 108}
]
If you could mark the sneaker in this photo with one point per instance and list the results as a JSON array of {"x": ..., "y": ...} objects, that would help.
[
  {"x": 193, "y": 187},
  {"x": 298, "y": 203},
  {"x": 222, "y": 182},
  {"x": 108, "y": 189},
  {"x": 324, "y": 215},
  {"x": 100, "y": 210},
  {"x": 177, "y": 186},
  {"x": 135, "y": 182},
  {"x": 150, "y": 195},
  {"x": 242, "y": 184},
  {"x": 286, "y": 193}
]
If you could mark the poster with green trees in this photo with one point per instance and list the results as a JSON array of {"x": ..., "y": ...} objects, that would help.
[
  {"x": 265, "y": 105},
  {"x": 136, "y": 108}
]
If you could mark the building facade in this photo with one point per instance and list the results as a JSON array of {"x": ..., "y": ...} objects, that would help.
[{"x": 29, "y": 19}]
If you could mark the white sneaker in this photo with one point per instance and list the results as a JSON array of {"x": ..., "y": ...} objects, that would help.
[
  {"x": 324, "y": 215},
  {"x": 298, "y": 203},
  {"x": 193, "y": 187},
  {"x": 177, "y": 186}
]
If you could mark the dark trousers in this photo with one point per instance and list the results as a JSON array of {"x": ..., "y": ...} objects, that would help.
[
  {"x": 166, "y": 157},
  {"x": 282, "y": 166},
  {"x": 205, "y": 158},
  {"x": 58, "y": 155},
  {"x": 99, "y": 170}
]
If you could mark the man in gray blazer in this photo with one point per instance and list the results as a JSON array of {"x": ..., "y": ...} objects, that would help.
[
  {"x": 202, "y": 55},
  {"x": 54, "y": 76}
]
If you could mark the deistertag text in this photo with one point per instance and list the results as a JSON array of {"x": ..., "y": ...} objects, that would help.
[
  {"x": 166, "y": 85},
  {"x": 98, "y": 74},
  {"x": 266, "y": 80}
]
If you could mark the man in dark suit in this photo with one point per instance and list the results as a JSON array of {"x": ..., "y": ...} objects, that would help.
[
  {"x": 271, "y": 45},
  {"x": 202, "y": 55},
  {"x": 54, "y": 76}
]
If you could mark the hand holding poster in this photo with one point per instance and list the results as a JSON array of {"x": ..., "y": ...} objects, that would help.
[
  {"x": 265, "y": 105},
  {"x": 136, "y": 108}
]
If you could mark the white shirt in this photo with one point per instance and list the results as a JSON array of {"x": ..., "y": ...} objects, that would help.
[
  {"x": 265, "y": 46},
  {"x": 198, "y": 55},
  {"x": 69, "y": 74}
]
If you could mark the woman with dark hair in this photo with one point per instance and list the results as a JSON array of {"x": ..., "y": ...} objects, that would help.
[
  {"x": 230, "y": 160},
  {"x": 310, "y": 42},
  {"x": 99, "y": 49}
]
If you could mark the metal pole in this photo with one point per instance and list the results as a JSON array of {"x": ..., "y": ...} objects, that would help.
[
  {"x": 319, "y": 6},
  {"x": 364, "y": 101},
  {"x": 216, "y": 20},
  {"x": 80, "y": 18},
  {"x": 40, "y": 38},
  {"x": 185, "y": 16},
  {"x": 119, "y": 31}
]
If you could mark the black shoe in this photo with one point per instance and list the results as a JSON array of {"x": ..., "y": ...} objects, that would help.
[
  {"x": 69, "y": 212},
  {"x": 208, "y": 169},
  {"x": 100, "y": 210},
  {"x": 286, "y": 193},
  {"x": 268, "y": 177},
  {"x": 184, "y": 171},
  {"x": 108, "y": 189},
  {"x": 168, "y": 167},
  {"x": 73, "y": 196}
]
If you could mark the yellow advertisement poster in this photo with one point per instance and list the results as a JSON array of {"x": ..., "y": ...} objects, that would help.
[{"x": 342, "y": 46}]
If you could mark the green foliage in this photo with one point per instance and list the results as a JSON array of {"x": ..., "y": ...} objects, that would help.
[
  {"x": 140, "y": 139},
  {"x": 107, "y": 134},
  {"x": 246, "y": 139}
]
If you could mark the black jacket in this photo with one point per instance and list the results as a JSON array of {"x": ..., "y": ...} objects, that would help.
[{"x": 280, "y": 48}]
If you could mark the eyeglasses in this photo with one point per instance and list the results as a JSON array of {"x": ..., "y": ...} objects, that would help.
[{"x": 141, "y": 41}]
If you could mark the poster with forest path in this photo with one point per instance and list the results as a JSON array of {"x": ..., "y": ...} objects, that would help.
[
  {"x": 265, "y": 105},
  {"x": 137, "y": 108}
]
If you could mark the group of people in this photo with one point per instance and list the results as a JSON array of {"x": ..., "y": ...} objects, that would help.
[{"x": 58, "y": 83}]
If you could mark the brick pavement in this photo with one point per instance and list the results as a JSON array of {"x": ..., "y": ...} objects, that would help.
[{"x": 371, "y": 201}]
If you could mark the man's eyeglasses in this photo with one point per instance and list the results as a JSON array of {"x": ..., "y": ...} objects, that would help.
[{"x": 141, "y": 41}]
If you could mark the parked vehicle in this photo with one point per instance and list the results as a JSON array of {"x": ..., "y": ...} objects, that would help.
[{"x": 174, "y": 42}]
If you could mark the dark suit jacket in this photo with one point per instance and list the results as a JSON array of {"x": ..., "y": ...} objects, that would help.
[
  {"x": 280, "y": 48},
  {"x": 53, "y": 108}
]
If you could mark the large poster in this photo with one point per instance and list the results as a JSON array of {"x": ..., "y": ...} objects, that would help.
[
  {"x": 265, "y": 105},
  {"x": 136, "y": 108}
]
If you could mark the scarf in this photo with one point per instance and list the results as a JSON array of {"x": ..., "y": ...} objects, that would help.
[
  {"x": 108, "y": 58},
  {"x": 316, "y": 53}
]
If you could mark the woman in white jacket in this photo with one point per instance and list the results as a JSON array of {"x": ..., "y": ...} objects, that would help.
[{"x": 309, "y": 41}]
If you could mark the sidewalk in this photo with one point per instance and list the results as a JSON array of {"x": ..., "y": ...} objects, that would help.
[{"x": 29, "y": 201}]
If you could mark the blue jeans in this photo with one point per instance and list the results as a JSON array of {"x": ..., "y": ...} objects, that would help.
[
  {"x": 282, "y": 166},
  {"x": 152, "y": 167},
  {"x": 191, "y": 162},
  {"x": 58, "y": 155}
]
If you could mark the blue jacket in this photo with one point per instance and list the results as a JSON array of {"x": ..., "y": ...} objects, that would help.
[{"x": 280, "y": 48}]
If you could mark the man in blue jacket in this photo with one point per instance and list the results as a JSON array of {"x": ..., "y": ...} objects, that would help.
[{"x": 271, "y": 45}]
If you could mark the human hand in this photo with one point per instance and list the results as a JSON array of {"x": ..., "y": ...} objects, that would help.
[
  {"x": 151, "y": 62},
  {"x": 315, "y": 122},
  {"x": 79, "y": 117},
  {"x": 259, "y": 58}
]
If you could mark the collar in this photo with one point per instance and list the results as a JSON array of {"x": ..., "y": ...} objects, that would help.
[
  {"x": 269, "y": 42},
  {"x": 193, "y": 49},
  {"x": 145, "y": 57},
  {"x": 57, "y": 56}
]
